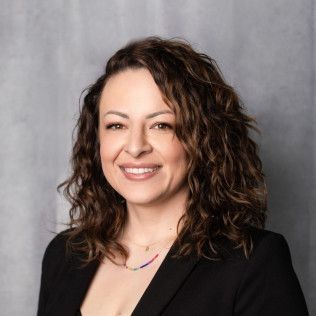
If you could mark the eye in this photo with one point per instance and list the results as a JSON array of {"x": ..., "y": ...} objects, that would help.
[
  {"x": 114, "y": 126},
  {"x": 163, "y": 126}
]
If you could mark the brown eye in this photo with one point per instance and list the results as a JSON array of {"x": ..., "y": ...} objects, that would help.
[
  {"x": 163, "y": 126},
  {"x": 114, "y": 126}
]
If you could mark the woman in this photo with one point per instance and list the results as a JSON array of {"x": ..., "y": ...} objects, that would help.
[{"x": 168, "y": 199}]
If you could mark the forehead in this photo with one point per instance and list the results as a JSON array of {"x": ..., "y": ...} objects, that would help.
[{"x": 134, "y": 88}]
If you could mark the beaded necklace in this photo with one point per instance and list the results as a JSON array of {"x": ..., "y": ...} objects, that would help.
[
  {"x": 147, "y": 263},
  {"x": 141, "y": 266}
]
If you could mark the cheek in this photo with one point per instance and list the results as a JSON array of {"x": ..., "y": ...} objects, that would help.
[
  {"x": 104, "y": 158},
  {"x": 108, "y": 152},
  {"x": 108, "y": 145},
  {"x": 108, "y": 155},
  {"x": 175, "y": 154}
]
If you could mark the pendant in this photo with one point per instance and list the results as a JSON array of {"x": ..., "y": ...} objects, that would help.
[{"x": 147, "y": 248}]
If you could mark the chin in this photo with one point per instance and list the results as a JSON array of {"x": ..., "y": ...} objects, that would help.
[{"x": 143, "y": 199}]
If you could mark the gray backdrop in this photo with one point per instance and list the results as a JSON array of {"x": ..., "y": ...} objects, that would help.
[{"x": 51, "y": 50}]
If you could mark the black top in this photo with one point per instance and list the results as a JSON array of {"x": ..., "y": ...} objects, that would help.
[{"x": 264, "y": 285}]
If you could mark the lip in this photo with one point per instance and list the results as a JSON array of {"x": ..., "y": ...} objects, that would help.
[
  {"x": 139, "y": 165},
  {"x": 140, "y": 177}
]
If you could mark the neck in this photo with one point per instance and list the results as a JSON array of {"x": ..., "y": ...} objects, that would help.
[{"x": 151, "y": 223}]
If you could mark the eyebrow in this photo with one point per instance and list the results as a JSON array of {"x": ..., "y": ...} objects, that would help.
[{"x": 147, "y": 117}]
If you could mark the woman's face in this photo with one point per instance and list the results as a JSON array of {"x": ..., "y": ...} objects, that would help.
[{"x": 141, "y": 156}]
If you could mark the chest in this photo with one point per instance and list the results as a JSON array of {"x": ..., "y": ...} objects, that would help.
[{"x": 115, "y": 290}]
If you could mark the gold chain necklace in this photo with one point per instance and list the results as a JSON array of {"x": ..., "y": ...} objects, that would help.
[
  {"x": 144, "y": 264},
  {"x": 147, "y": 247}
]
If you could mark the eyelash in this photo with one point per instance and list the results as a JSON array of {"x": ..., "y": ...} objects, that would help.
[{"x": 109, "y": 126}]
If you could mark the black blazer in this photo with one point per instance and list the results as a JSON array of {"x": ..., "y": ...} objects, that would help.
[{"x": 264, "y": 285}]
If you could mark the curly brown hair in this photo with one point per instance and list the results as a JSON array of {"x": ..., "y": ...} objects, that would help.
[{"x": 227, "y": 190}]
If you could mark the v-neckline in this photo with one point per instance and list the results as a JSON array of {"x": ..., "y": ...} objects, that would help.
[
  {"x": 167, "y": 279},
  {"x": 148, "y": 288}
]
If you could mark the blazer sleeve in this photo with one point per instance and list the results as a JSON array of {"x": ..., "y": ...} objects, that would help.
[
  {"x": 43, "y": 292},
  {"x": 53, "y": 263},
  {"x": 269, "y": 285}
]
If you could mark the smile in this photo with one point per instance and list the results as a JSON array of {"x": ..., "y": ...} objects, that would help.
[
  {"x": 139, "y": 170},
  {"x": 139, "y": 173}
]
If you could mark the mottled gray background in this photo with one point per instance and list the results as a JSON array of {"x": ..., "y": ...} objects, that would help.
[{"x": 51, "y": 50}]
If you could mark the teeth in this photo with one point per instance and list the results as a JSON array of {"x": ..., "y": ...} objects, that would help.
[{"x": 139, "y": 170}]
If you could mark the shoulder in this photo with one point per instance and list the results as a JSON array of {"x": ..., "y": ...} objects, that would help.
[
  {"x": 268, "y": 277},
  {"x": 265, "y": 243},
  {"x": 54, "y": 266},
  {"x": 270, "y": 253},
  {"x": 55, "y": 256},
  {"x": 57, "y": 245},
  {"x": 269, "y": 244}
]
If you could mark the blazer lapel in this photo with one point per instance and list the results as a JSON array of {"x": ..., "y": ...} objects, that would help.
[
  {"x": 165, "y": 283},
  {"x": 167, "y": 280},
  {"x": 72, "y": 289}
]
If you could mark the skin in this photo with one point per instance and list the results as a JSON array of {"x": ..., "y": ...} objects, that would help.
[{"x": 154, "y": 205}]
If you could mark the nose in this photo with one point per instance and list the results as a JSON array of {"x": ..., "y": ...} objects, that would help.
[{"x": 137, "y": 143}]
